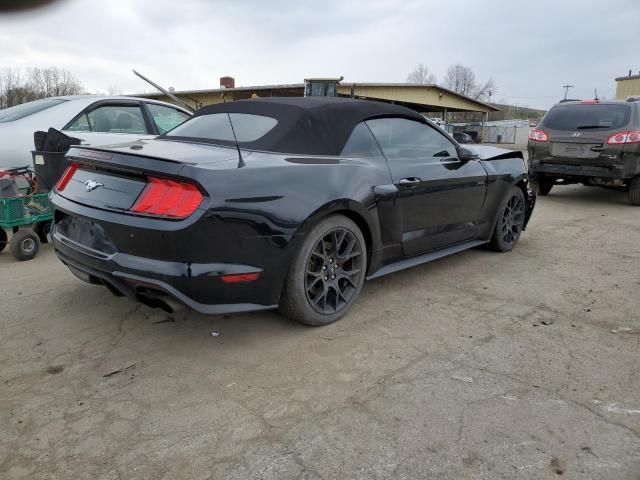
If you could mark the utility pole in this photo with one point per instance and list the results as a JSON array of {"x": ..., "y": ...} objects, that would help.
[{"x": 566, "y": 90}]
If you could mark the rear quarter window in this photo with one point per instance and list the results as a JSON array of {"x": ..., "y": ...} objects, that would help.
[
  {"x": 216, "y": 127},
  {"x": 587, "y": 117}
]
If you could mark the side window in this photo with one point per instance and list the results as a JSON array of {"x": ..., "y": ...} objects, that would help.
[
  {"x": 403, "y": 138},
  {"x": 111, "y": 119},
  {"x": 361, "y": 143},
  {"x": 166, "y": 118}
]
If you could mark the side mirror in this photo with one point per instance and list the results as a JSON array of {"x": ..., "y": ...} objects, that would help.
[{"x": 464, "y": 154}]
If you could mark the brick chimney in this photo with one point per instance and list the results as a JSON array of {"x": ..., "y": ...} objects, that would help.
[{"x": 227, "y": 82}]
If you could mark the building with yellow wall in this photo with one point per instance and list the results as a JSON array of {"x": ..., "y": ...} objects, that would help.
[{"x": 628, "y": 86}]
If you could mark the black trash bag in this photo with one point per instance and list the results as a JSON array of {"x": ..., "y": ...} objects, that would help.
[
  {"x": 39, "y": 138},
  {"x": 54, "y": 141},
  {"x": 49, "y": 162}
]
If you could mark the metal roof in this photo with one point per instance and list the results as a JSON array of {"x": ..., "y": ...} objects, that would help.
[
  {"x": 341, "y": 84},
  {"x": 628, "y": 77}
]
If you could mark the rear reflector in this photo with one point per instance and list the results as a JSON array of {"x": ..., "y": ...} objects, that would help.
[
  {"x": 621, "y": 138},
  {"x": 66, "y": 176},
  {"x": 168, "y": 198},
  {"x": 241, "y": 277},
  {"x": 538, "y": 135}
]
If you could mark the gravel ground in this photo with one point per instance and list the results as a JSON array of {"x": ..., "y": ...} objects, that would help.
[{"x": 477, "y": 366}]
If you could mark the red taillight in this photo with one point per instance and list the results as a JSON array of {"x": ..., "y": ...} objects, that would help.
[
  {"x": 168, "y": 198},
  {"x": 621, "y": 138},
  {"x": 538, "y": 135},
  {"x": 241, "y": 277},
  {"x": 66, "y": 176}
]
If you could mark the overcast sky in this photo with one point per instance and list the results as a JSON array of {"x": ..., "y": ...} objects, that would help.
[{"x": 530, "y": 48}]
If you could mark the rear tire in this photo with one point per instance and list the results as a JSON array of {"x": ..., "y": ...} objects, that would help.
[
  {"x": 24, "y": 245},
  {"x": 3, "y": 239},
  {"x": 510, "y": 221},
  {"x": 327, "y": 274},
  {"x": 634, "y": 191},
  {"x": 541, "y": 186},
  {"x": 42, "y": 229}
]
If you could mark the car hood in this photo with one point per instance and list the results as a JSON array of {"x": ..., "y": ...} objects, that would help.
[{"x": 486, "y": 152}]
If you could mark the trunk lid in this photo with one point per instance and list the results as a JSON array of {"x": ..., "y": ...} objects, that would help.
[{"x": 114, "y": 177}]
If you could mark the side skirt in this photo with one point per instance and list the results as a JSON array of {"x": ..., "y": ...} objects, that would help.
[{"x": 427, "y": 257}]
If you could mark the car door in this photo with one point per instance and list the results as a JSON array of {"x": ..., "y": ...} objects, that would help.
[
  {"x": 440, "y": 197},
  {"x": 111, "y": 121},
  {"x": 164, "y": 117}
]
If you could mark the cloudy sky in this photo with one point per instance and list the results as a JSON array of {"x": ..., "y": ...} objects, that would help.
[{"x": 530, "y": 48}]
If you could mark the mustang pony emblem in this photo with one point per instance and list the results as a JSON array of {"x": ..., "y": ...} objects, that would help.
[{"x": 91, "y": 185}]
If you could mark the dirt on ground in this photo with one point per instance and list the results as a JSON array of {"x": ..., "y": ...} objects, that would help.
[{"x": 477, "y": 366}]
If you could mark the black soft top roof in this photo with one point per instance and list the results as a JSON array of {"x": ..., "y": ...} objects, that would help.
[{"x": 309, "y": 125}]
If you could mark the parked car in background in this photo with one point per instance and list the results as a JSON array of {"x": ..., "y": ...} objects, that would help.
[
  {"x": 590, "y": 142},
  {"x": 96, "y": 120},
  {"x": 462, "y": 137},
  {"x": 325, "y": 193}
]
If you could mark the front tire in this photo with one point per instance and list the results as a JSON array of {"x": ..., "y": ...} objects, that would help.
[
  {"x": 634, "y": 191},
  {"x": 24, "y": 245},
  {"x": 510, "y": 221},
  {"x": 327, "y": 274}
]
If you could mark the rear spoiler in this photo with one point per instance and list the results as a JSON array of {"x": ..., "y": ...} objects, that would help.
[{"x": 126, "y": 162}]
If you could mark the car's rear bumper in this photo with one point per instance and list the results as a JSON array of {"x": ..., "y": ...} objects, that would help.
[
  {"x": 198, "y": 286},
  {"x": 577, "y": 171}
]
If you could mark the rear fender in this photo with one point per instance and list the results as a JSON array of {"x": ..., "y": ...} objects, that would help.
[{"x": 366, "y": 219}]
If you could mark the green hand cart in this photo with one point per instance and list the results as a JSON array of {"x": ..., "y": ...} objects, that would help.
[{"x": 29, "y": 219}]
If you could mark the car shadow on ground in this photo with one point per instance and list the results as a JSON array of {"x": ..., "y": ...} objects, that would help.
[{"x": 580, "y": 194}]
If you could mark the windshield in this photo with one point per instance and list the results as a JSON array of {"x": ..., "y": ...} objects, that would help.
[
  {"x": 26, "y": 109},
  {"x": 216, "y": 127},
  {"x": 587, "y": 117}
]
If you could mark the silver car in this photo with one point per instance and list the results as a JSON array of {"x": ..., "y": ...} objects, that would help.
[{"x": 96, "y": 120}]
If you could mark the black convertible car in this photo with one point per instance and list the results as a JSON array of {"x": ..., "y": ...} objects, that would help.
[{"x": 282, "y": 202}]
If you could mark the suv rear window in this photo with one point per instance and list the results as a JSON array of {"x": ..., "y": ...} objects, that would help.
[
  {"x": 587, "y": 117},
  {"x": 26, "y": 109}
]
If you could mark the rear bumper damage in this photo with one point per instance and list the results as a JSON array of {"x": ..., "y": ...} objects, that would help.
[{"x": 156, "y": 283}]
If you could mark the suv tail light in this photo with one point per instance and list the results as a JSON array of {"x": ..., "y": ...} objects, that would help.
[
  {"x": 168, "y": 198},
  {"x": 624, "y": 137},
  {"x": 538, "y": 135},
  {"x": 66, "y": 176}
]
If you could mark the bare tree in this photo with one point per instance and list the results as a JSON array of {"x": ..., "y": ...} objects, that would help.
[
  {"x": 38, "y": 83},
  {"x": 462, "y": 80},
  {"x": 486, "y": 91},
  {"x": 421, "y": 75},
  {"x": 11, "y": 91},
  {"x": 114, "y": 90}
]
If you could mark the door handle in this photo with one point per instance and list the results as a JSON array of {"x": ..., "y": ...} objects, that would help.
[{"x": 409, "y": 182}]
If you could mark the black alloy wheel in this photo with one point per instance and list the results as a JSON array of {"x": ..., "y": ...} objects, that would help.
[
  {"x": 333, "y": 272},
  {"x": 510, "y": 221},
  {"x": 327, "y": 273}
]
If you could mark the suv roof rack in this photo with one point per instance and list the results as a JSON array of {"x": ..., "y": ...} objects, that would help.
[{"x": 634, "y": 98}]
